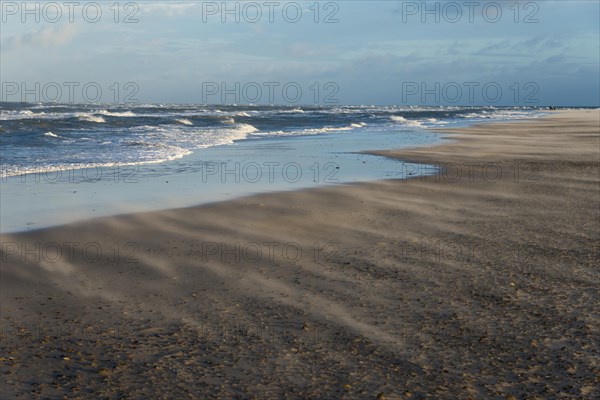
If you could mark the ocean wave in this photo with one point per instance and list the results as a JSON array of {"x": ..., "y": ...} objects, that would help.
[
  {"x": 499, "y": 115},
  {"x": 91, "y": 118},
  {"x": 398, "y": 118},
  {"x": 116, "y": 114},
  {"x": 25, "y": 114},
  {"x": 245, "y": 129},
  {"x": 16, "y": 170},
  {"x": 315, "y": 131},
  {"x": 169, "y": 133},
  {"x": 296, "y": 110},
  {"x": 186, "y": 136},
  {"x": 471, "y": 115},
  {"x": 406, "y": 122},
  {"x": 208, "y": 137},
  {"x": 328, "y": 129}
]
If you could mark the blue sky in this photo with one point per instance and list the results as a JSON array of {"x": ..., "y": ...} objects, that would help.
[{"x": 376, "y": 52}]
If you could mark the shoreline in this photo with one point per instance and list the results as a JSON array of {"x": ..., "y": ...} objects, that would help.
[
  {"x": 214, "y": 174},
  {"x": 64, "y": 197},
  {"x": 482, "y": 285}
]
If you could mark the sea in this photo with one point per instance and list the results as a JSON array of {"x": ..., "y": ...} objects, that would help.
[{"x": 62, "y": 163}]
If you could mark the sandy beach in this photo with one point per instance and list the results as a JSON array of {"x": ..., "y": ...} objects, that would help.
[{"x": 479, "y": 281}]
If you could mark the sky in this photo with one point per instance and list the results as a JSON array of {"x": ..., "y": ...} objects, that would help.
[{"x": 523, "y": 53}]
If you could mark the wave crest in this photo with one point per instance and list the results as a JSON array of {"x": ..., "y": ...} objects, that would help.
[
  {"x": 91, "y": 118},
  {"x": 116, "y": 114}
]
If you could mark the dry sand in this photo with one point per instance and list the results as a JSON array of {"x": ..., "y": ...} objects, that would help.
[{"x": 482, "y": 286}]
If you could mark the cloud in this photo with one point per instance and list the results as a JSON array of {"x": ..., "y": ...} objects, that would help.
[
  {"x": 168, "y": 9},
  {"x": 46, "y": 37},
  {"x": 530, "y": 47}
]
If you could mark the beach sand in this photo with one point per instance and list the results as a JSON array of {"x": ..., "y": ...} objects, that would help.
[{"x": 480, "y": 281}]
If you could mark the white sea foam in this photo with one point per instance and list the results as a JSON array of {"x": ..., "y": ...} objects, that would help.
[
  {"x": 326, "y": 129},
  {"x": 406, "y": 122},
  {"x": 397, "y": 118},
  {"x": 297, "y": 110},
  {"x": 26, "y": 114},
  {"x": 186, "y": 137},
  {"x": 245, "y": 129},
  {"x": 116, "y": 114},
  {"x": 91, "y": 118},
  {"x": 50, "y": 134},
  {"x": 315, "y": 131},
  {"x": 184, "y": 121},
  {"x": 213, "y": 136},
  {"x": 7, "y": 171}
]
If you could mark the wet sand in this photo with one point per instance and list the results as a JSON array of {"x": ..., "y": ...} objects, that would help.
[{"x": 480, "y": 281}]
